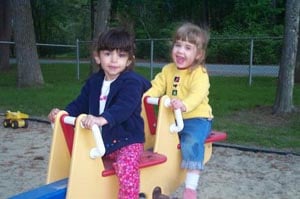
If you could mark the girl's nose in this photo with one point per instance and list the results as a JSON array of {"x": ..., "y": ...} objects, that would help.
[
  {"x": 114, "y": 57},
  {"x": 180, "y": 49}
]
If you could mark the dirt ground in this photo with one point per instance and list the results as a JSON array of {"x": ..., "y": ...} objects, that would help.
[{"x": 230, "y": 174}]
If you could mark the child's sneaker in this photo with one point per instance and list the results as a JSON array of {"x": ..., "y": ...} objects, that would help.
[
  {"x": 189, "y": 194},
  {"x": 156, "y": 194}
]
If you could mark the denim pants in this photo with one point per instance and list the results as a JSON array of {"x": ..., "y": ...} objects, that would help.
[{"x": 192, "y": 140}]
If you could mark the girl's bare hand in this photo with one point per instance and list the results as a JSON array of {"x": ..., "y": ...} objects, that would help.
[
  {"x": 178, "y": 104},
  {"x": 52, "y": 114},
  {"x": 91, "y": 120}
]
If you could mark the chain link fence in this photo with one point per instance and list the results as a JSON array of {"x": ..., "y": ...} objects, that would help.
[{"x": 232, "y": 56}]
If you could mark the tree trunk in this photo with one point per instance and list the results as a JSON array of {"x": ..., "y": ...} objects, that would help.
[
  {"x": 284, "y": 95},
  {"x": 29, "y": 70},
  {"x": 101, "y": 20},
  {"x": 102, "y": 16},
  {"x": 297, "y": 67},
  {"x": 5, "y": 33}
]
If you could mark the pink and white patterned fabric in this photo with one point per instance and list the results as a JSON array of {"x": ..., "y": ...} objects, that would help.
[{"x": 126, "y": 165}]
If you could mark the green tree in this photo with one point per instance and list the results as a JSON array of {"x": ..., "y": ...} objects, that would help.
[
  {"x": 61, "y": 22},
  {"x": 254, "y": 18}
]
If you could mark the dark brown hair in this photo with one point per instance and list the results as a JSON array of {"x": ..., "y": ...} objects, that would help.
[{"x": 117, "y": 39}]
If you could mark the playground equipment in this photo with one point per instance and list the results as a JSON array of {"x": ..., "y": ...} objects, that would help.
[
  {"x": 77, "y": 168},
  {"x": 15, "y": 120}
]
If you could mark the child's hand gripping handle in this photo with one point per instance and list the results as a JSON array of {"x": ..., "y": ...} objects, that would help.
[
  {"x": 178, "y": 125},
  {"x": 97, "y": 151}
]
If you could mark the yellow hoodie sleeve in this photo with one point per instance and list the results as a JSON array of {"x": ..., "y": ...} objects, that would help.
[{"x": 198, "y": 91}]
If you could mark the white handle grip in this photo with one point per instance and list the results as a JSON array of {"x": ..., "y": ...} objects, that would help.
[
  {"x": 70, "y": 120},
  {"x": 152, "y": 100},
  {"x": 97, "y": 151},
  {"x": 178, "y": 125}
]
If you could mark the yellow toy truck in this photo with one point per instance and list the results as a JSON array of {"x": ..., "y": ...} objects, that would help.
[{"x": 15, "y": 120}]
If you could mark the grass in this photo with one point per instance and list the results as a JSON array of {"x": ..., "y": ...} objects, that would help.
[{"x": 243, "y": 111}]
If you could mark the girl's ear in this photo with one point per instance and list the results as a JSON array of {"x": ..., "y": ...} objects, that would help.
[
  {"x": 96, "y": 57},
  {"x": 128, "y": 62},
  {"x": 200, "y": 55}
]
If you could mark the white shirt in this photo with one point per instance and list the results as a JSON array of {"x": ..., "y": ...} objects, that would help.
[{"x": 104, "y": 93}]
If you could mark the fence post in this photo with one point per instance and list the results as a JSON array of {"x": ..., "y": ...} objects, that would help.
[
  {"x": 78, "y": 58},
  {"x": 151, "y": 58},
  {"x": 251, "y": 61}
]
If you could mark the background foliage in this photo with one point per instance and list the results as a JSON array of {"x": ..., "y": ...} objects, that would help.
[{"x": 64, "y": 21}]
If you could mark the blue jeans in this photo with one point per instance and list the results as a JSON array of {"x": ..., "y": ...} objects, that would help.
[{"x": 192, "y": 140}]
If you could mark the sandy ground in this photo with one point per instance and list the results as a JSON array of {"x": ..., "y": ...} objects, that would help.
[{"x": 230, "y": 174}]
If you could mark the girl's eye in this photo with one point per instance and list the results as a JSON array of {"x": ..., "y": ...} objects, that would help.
[
  {"x": 188, "y": 47},
  {"x": 106, "y": 52},
  {"x": 122, "y": 54}
]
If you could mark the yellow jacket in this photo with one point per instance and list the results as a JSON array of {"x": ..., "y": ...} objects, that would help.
[{"x": 190, "y": 86}]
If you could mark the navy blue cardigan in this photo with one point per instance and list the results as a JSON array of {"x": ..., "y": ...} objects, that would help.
[{"x": 122, "y": 110}]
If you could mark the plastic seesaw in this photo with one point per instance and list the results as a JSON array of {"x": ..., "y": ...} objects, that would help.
[{"x": 77, "y": 168}]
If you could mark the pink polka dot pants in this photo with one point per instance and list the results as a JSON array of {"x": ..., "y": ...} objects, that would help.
[{"x": 127, "y": 170}]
